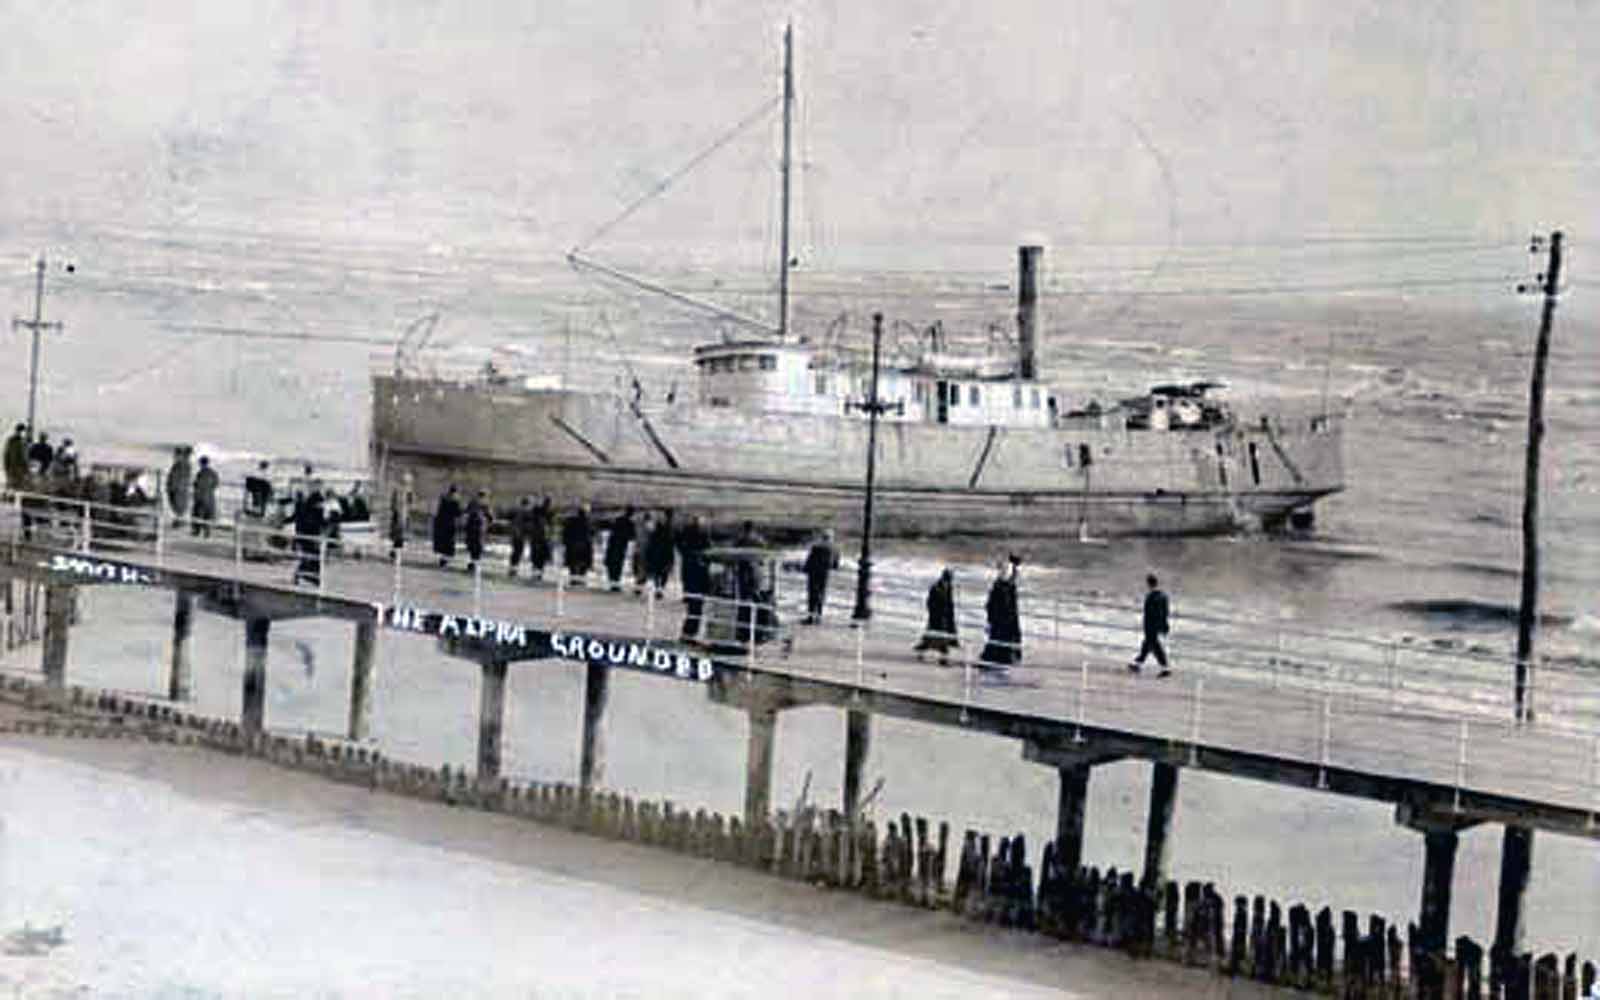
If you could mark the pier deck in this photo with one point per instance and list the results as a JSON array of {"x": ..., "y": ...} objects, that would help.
[{"x": 1072, "y": 702}]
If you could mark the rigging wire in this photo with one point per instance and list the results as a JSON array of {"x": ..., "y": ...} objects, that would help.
[{"x": 672, "y": 178}]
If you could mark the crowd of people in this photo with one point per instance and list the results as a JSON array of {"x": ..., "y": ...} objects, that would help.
[
  {"x": 33, "y": 465},
  {"x": 641, "y": 548}
]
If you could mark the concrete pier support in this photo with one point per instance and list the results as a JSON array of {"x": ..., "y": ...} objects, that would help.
[
  {"x": 857, "y": 744},
  {"x": 1072, "y": 807},
  {"x": 491, "y": 718},
  {"x": 253, "y": 715},
  {"x": 360, "y": 723},
  {"x": 180, "y": 675},
  {"x": 758, "y": 763},
  {"x": 592, "y": 754},
  {"x": 58, "y": 598},
  {"x": 1516, "y": 864},
  {"x": 1158, "y": 825},
  {"x": 1072, "y": 762}
]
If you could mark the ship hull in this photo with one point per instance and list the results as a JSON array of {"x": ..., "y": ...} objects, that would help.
[{"x": 800, "y": 471}]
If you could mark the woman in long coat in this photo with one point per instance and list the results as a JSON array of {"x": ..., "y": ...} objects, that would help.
[
  {"x": 446, "y": 519},
  {"x": 660, "y": 553},
  {"x": 577, "y": 542},
  {"x": 940, "y": 634},
  {"x": 1005, "y": 626}
]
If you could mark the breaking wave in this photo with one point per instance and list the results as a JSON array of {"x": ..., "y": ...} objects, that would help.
[{"x": 1461, "y": 612}]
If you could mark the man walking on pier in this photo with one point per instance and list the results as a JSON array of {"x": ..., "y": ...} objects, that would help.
[
  {"x": 695, "y": 576},
  {"x": 478, "y": 518},
  {"x": 577, "y": 545},
  {"x": 522, "y": 528},
  {"x": 659, "y": 553},
  {"x": 1155, "y": 626},
  {"x": 821, "y": 560},
  {"x": 179, "y": 479}
]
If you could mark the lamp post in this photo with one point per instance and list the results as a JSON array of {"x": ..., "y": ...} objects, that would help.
[
  {"x": 36, "y": 324},
  {"x": 873, "y": 407}
]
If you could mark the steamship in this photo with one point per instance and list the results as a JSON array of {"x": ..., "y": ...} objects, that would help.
[{"x": 774, "y": 431}]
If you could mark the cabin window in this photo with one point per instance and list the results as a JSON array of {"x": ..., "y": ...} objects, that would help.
[
  {"x": 1066, "y": 456},
  {"x": 1016, "y": 397},
  {"x": 747, "y": 362},
  {"x": 972, "y": 395},
  {"x": 955, "y": 394},
  {"x": 769, "y": 363},
  {"x": 822, "y": 385},
  {"x": 1035, "y": 398}
]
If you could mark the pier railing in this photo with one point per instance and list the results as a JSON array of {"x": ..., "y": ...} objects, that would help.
[{"x": 1344, "y": 691}]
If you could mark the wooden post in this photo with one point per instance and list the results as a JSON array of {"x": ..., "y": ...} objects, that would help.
[
  {"x": 1516, "y": 863},
  {"x": 252, "y": 716},
  {"x": 57, "y": 623},
  {"x": 1163, "y": 798},
  {"x": 758, "y": 763},
  {"x": 1527, "y": 619},
  {"x": 180, "y": 675},
  {"x": 591, "y": 760},
  {"x": 857, "y": 742},
  {"x": 1071, "y": 808},
  {"x": 1438, "y": 875},
  {"x": 360, "y": 723},
  {"x": 491, "y": 718}
]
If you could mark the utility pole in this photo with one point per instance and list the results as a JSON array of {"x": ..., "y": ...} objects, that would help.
[
  {"x": 36, "y": 325},
  {"x": 873, "y": 408},
  {"x": 1527, "y": 620}
]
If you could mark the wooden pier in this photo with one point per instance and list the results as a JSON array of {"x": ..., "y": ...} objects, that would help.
[{"x": 1444, "y": 764}]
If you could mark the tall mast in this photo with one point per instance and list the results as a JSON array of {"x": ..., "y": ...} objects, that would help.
[{"x": 783, "y": 248}]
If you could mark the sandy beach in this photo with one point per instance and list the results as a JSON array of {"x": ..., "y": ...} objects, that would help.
[{"x": 177, "y": 871}]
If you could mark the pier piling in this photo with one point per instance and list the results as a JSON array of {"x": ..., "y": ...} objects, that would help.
[
  {"x": 180, "y": 676},
  {"x": 857, "y": 743},
  {"x": 252, "y": 716},
  {"x": 758, "y": 763},
  {"x": 491, "y": 718},
  {"x": 360, "y": 722},
  {"x": 591, "y": 763},
  {"x": 58, "y": 600},
  {"x": 1071, "y": 808},
  {"x": 1163, "y": 799},
  {"x": 1516, "y": 863}
]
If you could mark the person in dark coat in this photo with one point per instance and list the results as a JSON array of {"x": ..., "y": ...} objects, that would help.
[
  {"x": 258, "y": 490},
  {"x": 577, "y": 543},
  {"x": 446, "y": 519},
  {"x": 619, "y": 535},
  {"x": 659, "y": 554},
  {"x": 694, "y": 574},
  {"x": 543, "y": 524},
  {"x": 401, "y": 499},
  {"x": 40, "y": 454},
  {"x": 179, "y": 479},
  {"x": 205, "y": 498},
  {"x": 310, "y": 523},
  {"x": 820, "y": 561},
  {"x": 1005, "y": 625},
  {"x": 1156, "y": 624},
  {"x": 940, "y": 633},
  {"x": 477, "y": 520},
  {"x": 521, "y": 532},
  {"x": 17, "y": 458},
  {"x": 639, "y": 561}
]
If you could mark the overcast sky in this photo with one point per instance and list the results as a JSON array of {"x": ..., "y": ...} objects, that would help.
[{"x": 922, "y": 120}]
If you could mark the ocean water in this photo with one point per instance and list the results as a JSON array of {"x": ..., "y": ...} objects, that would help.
[{"x": 259, "y": 343}]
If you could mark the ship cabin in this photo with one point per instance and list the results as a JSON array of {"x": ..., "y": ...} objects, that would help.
[{"x": 774, "y": 377}]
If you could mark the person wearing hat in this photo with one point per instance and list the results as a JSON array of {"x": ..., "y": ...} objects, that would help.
[
  {"x": 1005, "y": 625},
  {"x": 940, "y": 633},
  {"x": 179, "y": 480},
  {"x": 40, "y": 454},
  {"x": 16, "y": 460},
  {"x": 205, "y": 498}
]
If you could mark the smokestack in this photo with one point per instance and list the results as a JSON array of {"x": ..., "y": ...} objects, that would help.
[{"x": 1027, "y": 309}]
